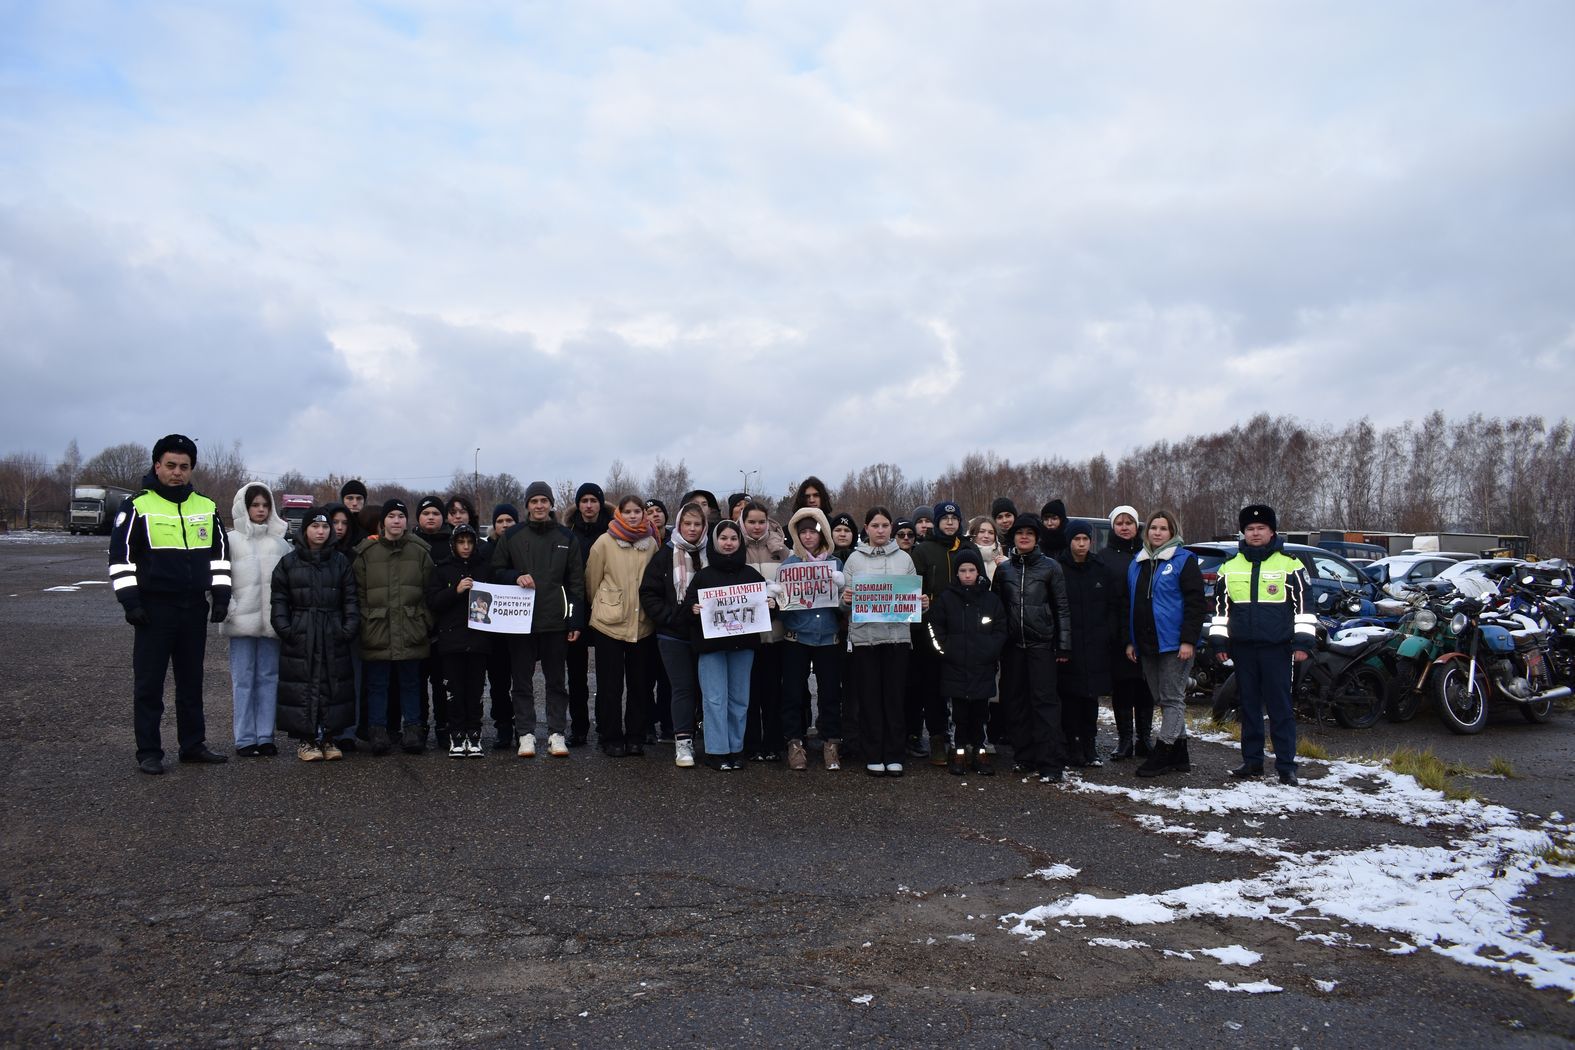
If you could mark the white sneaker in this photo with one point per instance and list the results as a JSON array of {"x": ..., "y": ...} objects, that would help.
[
  {"x": 456, "y": 746},
  {"x": 894, "y": 769},
  {"x": 684, "y": 753},
  {"x": 527, "y": 745},
  {"x": 557, "y": 746},
  {"x": 473, "y": 748}
]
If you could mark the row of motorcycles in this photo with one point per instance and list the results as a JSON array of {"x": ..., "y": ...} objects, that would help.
[{"x": 1514, "y": 646}]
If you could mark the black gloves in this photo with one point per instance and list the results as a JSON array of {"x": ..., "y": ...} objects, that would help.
[
  {"x": 136, "y": 615},
  {"x": 221, "y": 609}
]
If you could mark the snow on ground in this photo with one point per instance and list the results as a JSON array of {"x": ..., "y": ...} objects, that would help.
[
  {"x": 1456, "y": 899},
  {"x": 22, "y": 536},
  {"x": 1234, "y": 955},
  {"x": 1054, "y": 871},
  {"x": 1252, "y": 988}
]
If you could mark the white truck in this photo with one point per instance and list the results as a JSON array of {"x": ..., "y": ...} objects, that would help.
[{"x": 93, "y": 508}]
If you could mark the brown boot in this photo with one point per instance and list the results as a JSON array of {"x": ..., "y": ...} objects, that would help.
[
  {"x": 796, "y": 758},
  {"x": 983, "y": 764},
  {"x": 831, "y": 754}
]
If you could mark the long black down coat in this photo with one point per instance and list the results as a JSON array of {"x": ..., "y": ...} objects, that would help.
[
  {"x": 317, "y": 616},
  {"x": 968, "y": 625},
  {"x": 1094, "y": 599}
]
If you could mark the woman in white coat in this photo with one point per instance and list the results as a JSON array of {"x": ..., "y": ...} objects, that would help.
[{"x": 256, "y": 544}]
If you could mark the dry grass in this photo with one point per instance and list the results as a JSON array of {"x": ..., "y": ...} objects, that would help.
[
  {"x": 1311, "y": 749},
  {"x": 1500, "y": 766},
  {"x": 1431, "y": 772}
]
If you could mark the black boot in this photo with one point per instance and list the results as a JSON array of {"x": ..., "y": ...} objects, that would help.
[
  {"x": 1179, "y": 762},
  {"x": 1123, "y": 749},
  {"x": 959, "y": 762},
  {"x": 1158, "y": 760}
]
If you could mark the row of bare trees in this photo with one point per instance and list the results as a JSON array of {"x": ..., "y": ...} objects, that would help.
[{"x": 1477, "y": 474}]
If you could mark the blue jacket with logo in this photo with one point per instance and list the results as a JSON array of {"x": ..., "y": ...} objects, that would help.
[{"x": 1167, "y": 600}]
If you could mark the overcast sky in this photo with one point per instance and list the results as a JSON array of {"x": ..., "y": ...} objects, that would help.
[{"x": 794, "y": 237}]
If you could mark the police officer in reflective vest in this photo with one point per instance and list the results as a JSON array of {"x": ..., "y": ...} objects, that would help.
[
  {"x": 1262, "y": 623},
  {"x": 167, "y": 551}
]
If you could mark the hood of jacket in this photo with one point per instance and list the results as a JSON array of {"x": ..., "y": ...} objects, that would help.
[
  {"x": 727, "y": 563},
  {"x": 241, "y": 522},
  {"x": 818, "y": 516}
]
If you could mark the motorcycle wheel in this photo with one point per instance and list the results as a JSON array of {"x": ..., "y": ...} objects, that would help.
[
  {"x": 1227, "y": 701},
  {"x": 1360, "y": 698},
  {"x": 1405, "y": 696},
  {"x": 1463, "y": 710},
  {"x": 1538, "y": 712}
]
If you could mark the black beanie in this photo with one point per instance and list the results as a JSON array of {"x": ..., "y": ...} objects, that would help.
[
  {"x": 1079, "y": 527},
  {"x": 967, "y": 556},
  {"x": 589, "y": 488},
  {"x": 175, "y": 443},
  {"x": 429, "y": 501},
  {"x": 658, "y": 504},
  {"x": 353, "y": 487},
  {"x": 1258, "y": 514},
  {"x": 541, "y": 488},
  {"x": 389, "y": 507},
  {"x": 1002, "y": 504},
  {"x": 1031, "y": 522},
  {"x": 844, "y": 518},
  {"x": 506, "y": 508},
  {"x": 1055, "y": 507}
]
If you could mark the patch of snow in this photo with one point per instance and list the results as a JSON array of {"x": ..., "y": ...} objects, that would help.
[
  {"x": 1114, "y": 942},
  {"x": 1055, "y": 871},
  {"x": 60, "y": 590},
  {"x": 1180, "y": 955},
  {"x": 1325, "y": 986},
  {"x": 1251, "y": 988},
  {"x": 92, "y": 583},
  {"x": 1235, "y": 955},
  {"x": 1455, "y": 900},
  {"x": 862, "y": 1000},
  {"x": 964, "y": 937}
]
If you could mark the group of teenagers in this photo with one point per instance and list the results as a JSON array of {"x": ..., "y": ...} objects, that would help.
[{"x": 357, "y": 633}]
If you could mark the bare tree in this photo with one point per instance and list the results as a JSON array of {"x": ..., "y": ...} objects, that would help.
[
  {"x": 24, "y": 480},
  {"x": 123, "y": 466}
]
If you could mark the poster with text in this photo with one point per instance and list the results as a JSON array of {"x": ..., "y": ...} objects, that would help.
[
  {"x": 736, "y": 610},
  {"x": 887, "y": 599},
  {"x": 500, "y": 607},
  {"x": 808, "y": 585}
]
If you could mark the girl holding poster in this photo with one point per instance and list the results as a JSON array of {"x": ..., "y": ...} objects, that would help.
[
  {"x": 879, "y": 664},
  {"x": 809, "y": 594},
  {"x": 765, "y": 551},
  {"x": 623, "y": 631},
  {"x": 725, "y": 660}
]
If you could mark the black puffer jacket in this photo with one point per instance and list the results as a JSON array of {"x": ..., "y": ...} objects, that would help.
[
  {"x": 968, "y": 625},
  {"x": 1033, "y": 589},
  {"x": 451, "y": 609},
  {"x": 315, "y": 611},
  {"x": 1094, "y": 598}
]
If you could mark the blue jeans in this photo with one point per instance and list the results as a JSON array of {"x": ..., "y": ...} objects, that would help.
[
  {"x": 254, "y": 675},
  {"x": 724, "y": 688},
  {"x": 377, "y": 674}
]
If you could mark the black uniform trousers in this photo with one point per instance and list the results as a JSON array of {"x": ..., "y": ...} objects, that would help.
[{"x": 176, "y": 635}]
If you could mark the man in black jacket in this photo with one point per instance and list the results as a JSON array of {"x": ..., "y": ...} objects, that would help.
[
  {"x": 168, "y": 551},
  {"x": 541, "y": 555},
  {"x": 1039, "y": 635}
]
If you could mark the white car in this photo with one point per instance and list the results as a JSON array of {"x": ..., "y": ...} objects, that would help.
[{"x": 1401, "y": 573}]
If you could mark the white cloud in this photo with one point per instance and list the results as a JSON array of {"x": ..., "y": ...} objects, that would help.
[{"x": 1037, "y": 227}]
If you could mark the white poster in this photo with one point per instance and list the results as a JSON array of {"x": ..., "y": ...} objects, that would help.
[
  {"x": 808, "y": 585},
  {"x": 501, "y": 608},
  {"x": 739, "y": 609}
]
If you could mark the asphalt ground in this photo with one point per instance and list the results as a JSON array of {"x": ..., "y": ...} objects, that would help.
[{"x": 593, "y": 901}]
